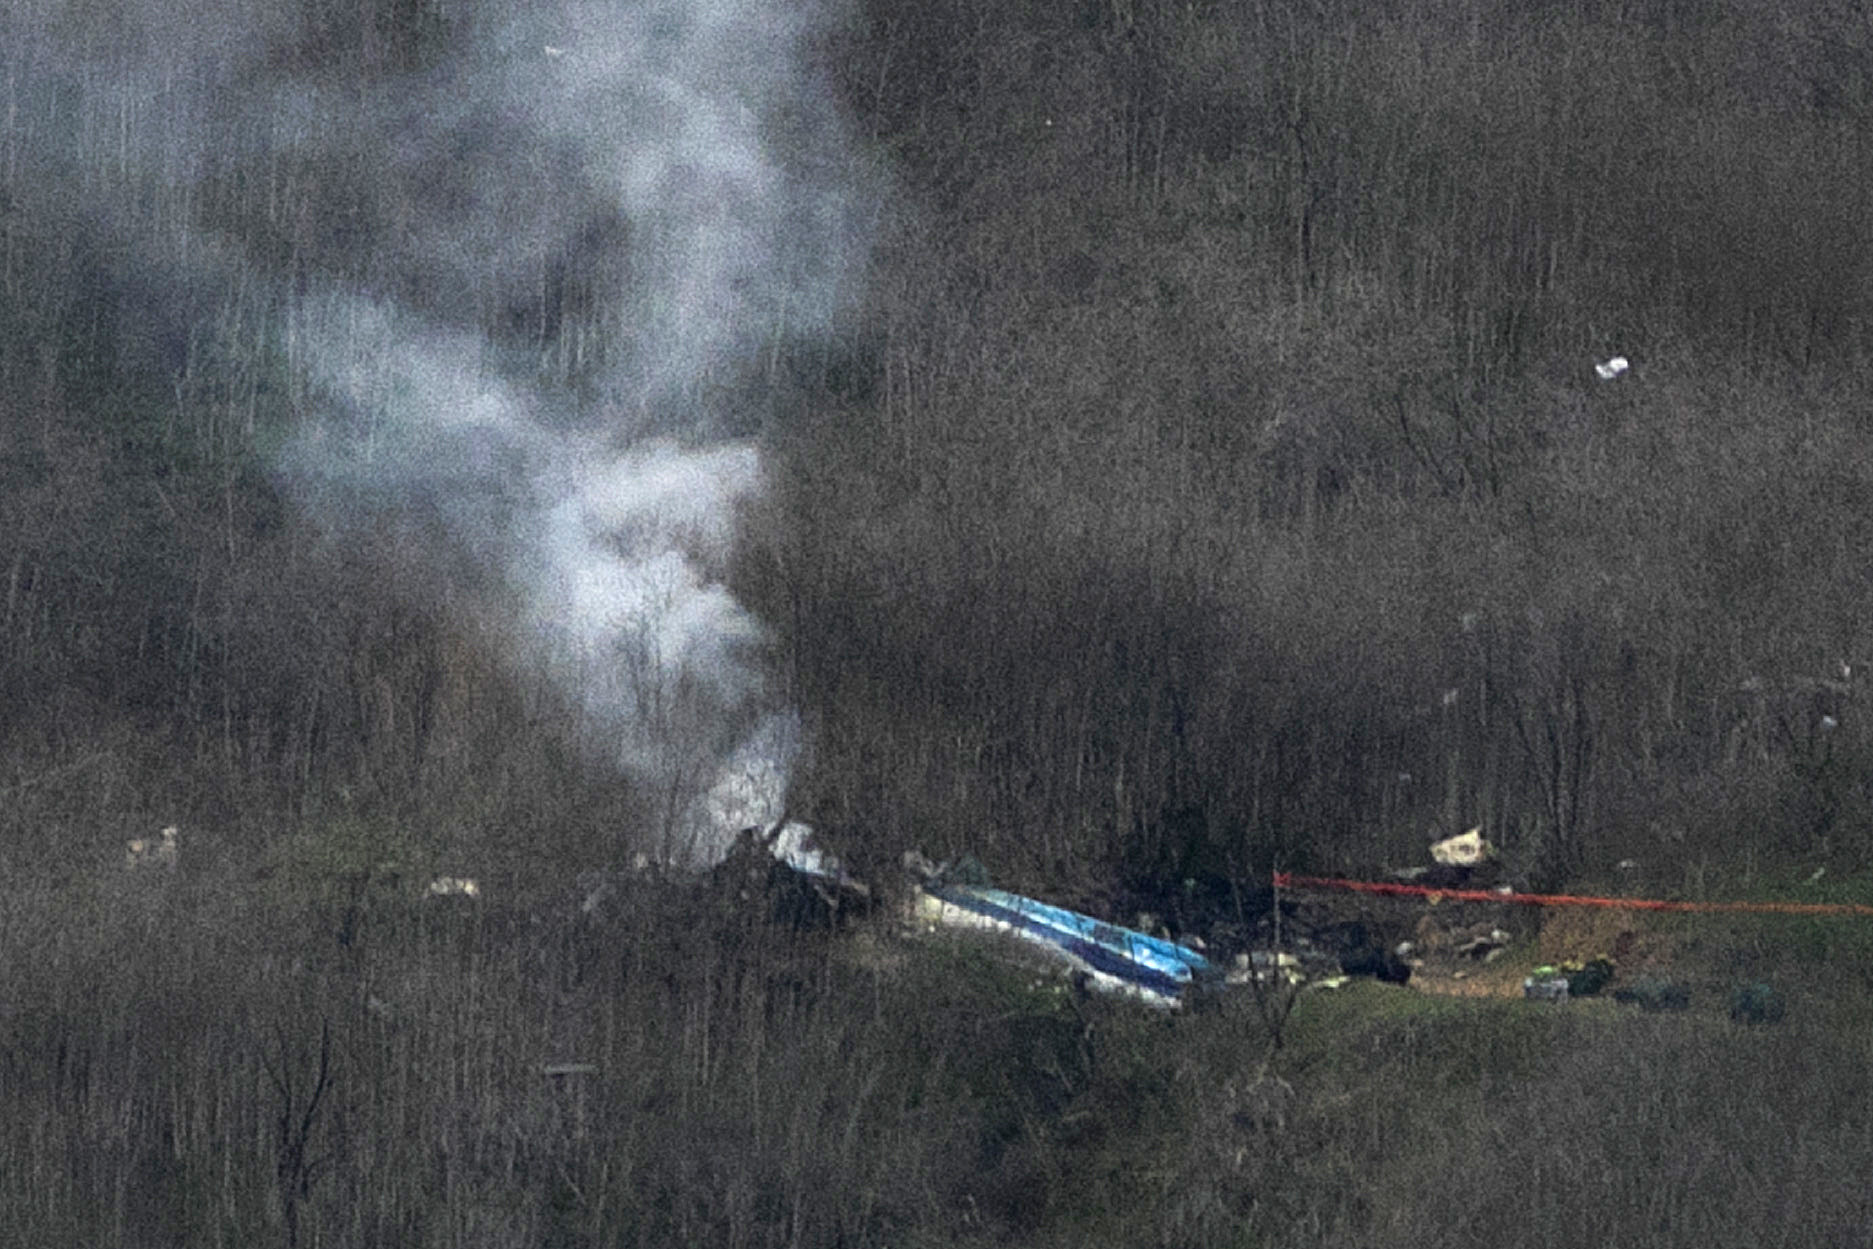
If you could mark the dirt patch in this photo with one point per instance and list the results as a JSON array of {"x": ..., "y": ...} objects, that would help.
[
  {"x": 1498, "y": 980},
  {"x": 1550, "y": 936},
  {"x": 1452, "y": 952}
]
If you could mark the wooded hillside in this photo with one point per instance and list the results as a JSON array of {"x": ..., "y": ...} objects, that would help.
[{"x": 1209, "y": 470}]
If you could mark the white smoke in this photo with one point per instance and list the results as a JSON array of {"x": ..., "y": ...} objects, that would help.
[
  {"x": 584, "y": 470},
  {"x": 613, "y": 541}
]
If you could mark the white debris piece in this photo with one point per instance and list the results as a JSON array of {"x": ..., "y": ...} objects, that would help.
[
  {"x": 147, "y": 852},
  {"x": 1610, "y": 369},
  {"x": 1484, "y": 946},
  {"x": 1265, "y": 966},
  {"x": 1467, "y": 850},
  {"x": 793, "y": 843},
  {"x": 454, "y": 887}
]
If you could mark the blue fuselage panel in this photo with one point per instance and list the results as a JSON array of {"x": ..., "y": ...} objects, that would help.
[{"x": 1149, "y": 963}]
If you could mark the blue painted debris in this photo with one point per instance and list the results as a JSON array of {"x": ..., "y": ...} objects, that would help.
[{"x": 1111, "y": 958}]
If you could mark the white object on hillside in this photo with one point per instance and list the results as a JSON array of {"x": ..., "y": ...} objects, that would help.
[
  {"x": 1265, "y": 966},
  {"x": 454, "y": 886},
  {"x": 1610, "y": 369},
  {"x": 1467, "y": 850},
  {"x": 794, "y": 844},
  {"x": 145, "y": 852}
]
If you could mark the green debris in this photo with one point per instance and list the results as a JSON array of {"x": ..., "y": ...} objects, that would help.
[{"x": 1588, "y": 978}]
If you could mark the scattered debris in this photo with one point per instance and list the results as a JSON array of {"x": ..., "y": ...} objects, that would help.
[
  {"x": 966, "y": 870},
  {"x": 454, "y": 887},
  {"x": 1545, "y": 984},
  {"x": 1484, "y": 947},
  {"x": 145, "y": 852},
  {"x": 561, "y": 1070},
  {"x": 1265, "y": 967},
  {"x": 1443, "y": 935},
  {"x": 1588, "y": 978},
  {"x": 917, "y": 864},
  {"x": 1756, "y": 1003},
  {"x": 1360, "y": 950},
  {"x": 804, "y": 885}
]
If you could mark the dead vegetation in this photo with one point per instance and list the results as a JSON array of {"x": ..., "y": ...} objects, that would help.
[{"x": 1212, "y": 475}]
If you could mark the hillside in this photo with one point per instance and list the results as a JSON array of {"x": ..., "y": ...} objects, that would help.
[{"x": 1142, "y": 445}]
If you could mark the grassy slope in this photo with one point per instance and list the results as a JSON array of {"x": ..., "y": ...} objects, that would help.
[{"x": 756, "y": 1088}]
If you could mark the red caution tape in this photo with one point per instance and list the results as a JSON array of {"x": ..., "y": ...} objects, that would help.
[{"x": 1287, "y": 880}]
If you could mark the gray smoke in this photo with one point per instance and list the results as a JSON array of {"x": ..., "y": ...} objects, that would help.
[{"x": 520, "y": 270}]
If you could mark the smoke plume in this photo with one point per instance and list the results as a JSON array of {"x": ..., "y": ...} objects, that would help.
[{"x": 521, "y": 263}]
